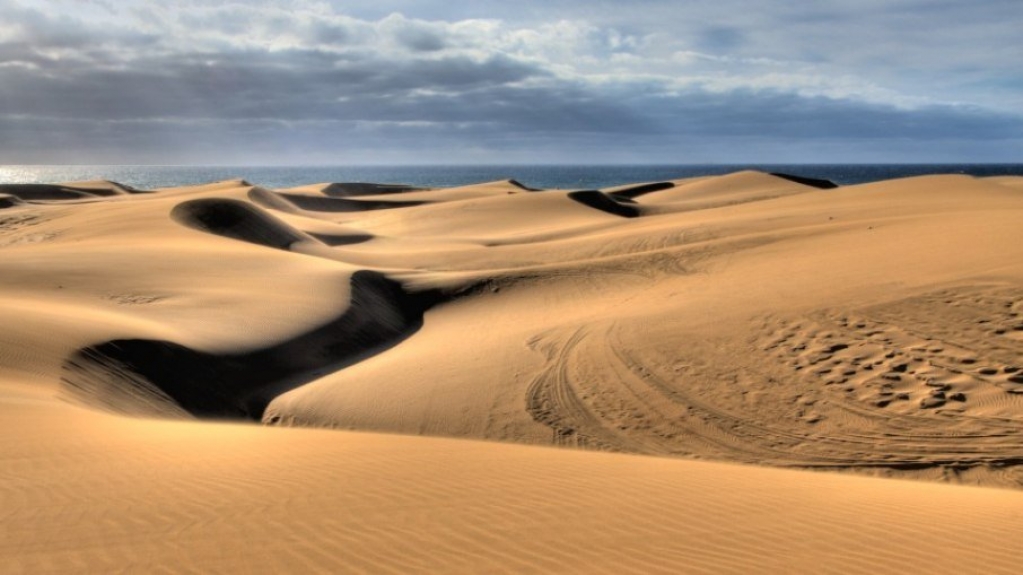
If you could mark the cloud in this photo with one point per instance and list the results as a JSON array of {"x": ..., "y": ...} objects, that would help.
[
  {"x": 570, "y": 80},
  {"x": 717, "y": 38}
]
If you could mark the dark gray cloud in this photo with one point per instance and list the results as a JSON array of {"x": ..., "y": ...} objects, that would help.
[
  {"x": 562, "y": 81},
  {"x": 788, "y": 116}
]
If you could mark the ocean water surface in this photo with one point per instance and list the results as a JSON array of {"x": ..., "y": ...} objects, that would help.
[{"x": 538, "y": 176}]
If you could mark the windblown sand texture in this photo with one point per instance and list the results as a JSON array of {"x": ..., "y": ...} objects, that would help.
[{"x": 759, "y": 319}]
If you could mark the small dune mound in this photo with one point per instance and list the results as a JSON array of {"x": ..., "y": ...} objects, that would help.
[
  {"x": 104, "y": 187},
  {"x": 812, "y": 182},
  {"x": 600, "y": 201},
  {"x": 237, "y": 220},
  {"x": 150, "y": 377},
  {"x": 720, "y": 191},
  {"x": 519, "y": 184},
  {"x": 68, "y": 191},
  {"x": 9, "y": 201},
  {"x": 46, "y": 192},
  {"x": 631, "y": 192},
  {"x": 331, "y": 204},
  {"x": 271, "y": 200},
  {"x": 471, "y": 192},
  {"x": 347, "y": 189},
  {"x": 334, "y": 240}
]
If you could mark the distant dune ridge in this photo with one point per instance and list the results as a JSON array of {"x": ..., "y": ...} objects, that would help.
[{"x": 762, "y": 319}]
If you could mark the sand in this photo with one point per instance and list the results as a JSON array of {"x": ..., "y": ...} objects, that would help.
[{"x": 740, "y": 373}]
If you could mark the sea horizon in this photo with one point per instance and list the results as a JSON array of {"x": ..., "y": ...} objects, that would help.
[{"x": 564, "y": 176}]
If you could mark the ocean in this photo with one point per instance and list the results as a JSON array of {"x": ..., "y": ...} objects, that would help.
[{"x": 538, "y": 176}]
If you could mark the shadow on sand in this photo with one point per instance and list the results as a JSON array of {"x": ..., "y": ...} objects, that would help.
[{"x": 151, "y": 377}]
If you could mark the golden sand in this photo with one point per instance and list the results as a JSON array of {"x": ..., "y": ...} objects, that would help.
[{"x": 771, "y": 325}]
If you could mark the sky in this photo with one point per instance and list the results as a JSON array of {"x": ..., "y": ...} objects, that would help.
[{"x": 307, "y": 82}]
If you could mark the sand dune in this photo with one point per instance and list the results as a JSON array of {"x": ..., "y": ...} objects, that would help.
[
  {"x": 605, "y": 202},
  {"x": 113, "y": 374},
  {"x": 349, "y": 189},
  {"x": 71, "y": 191},
  {"x": 759, "y": 319},
  {"x": 238, "y": 220}
]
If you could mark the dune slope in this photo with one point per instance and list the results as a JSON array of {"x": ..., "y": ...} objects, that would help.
[{"x": 92, "y": 493}]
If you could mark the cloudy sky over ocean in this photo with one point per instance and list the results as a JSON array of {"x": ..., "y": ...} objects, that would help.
[{"x": 301, "y": 82}]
